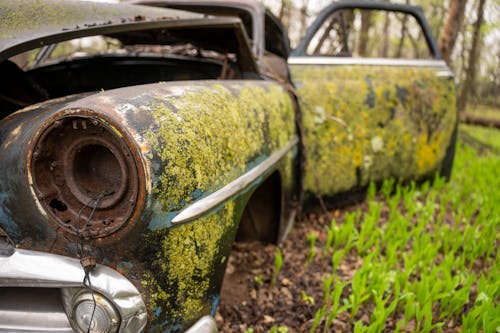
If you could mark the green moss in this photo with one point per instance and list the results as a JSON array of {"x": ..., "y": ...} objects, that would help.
[
  {"x": 186, "y": 263},
  {"x": 22, "y": 20},
  {"x": 204, "y": 137},
  {"x": 485, "y": 135},
  {"x": 207, "y": 137},
  {"x": 365, "y": 124},
  {"x": 20, "y": 16}
]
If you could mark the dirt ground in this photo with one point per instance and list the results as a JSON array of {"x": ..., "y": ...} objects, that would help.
[{"x": 249, "y": 300}]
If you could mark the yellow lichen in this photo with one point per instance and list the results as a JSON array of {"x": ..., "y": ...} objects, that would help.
[
  {"x": 187, "y": 263},
  {"x": 365, "y": 123},
  {"x": 206, "y": 137}
]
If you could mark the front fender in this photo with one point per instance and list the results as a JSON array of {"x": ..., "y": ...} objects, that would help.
[{"x": 189, "y": 140}]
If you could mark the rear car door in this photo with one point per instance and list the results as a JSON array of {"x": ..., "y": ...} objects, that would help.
[{"x": 377, "y": 99}]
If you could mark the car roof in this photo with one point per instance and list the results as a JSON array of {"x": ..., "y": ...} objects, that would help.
[
  {"x": 30, "y": 24},
  {"x": 24, "y": 21}
]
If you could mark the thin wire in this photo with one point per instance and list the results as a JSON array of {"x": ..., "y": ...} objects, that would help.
[
  {"x": 86, "y": 280},
  {"x": 97, "y": 200},
  {"x": 79, "y": 245},
  {"x": 89, "y": 286}
]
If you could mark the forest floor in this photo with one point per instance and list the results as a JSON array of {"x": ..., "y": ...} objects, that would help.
[{"x": 407, "y": 259}]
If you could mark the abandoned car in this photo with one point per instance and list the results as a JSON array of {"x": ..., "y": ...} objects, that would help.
[
  {"x": 127, "y": 169},
  {"x": 370, "y": 107}
]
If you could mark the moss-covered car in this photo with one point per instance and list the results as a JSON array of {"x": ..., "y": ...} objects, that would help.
[
  {"x": 138, "y": 143},
  {"x": 374, "y": 102}
]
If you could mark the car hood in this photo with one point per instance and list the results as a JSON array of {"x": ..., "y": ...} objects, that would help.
[{"x": 29, "y": 24}]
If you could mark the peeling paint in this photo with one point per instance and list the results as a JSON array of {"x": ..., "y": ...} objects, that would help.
[{"x": 367, "y": 123}]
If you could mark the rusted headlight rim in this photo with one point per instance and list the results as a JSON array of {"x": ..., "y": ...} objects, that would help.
[{"x": 122, "y": 133}]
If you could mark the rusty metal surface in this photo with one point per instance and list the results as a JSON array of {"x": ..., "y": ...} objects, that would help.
[
  {"x": 84, "y": 175},
  {"x": 254, "y": 7},
  {"x": 91, "y": 200},
  {"x": 215, "y": 199},
  {"x": 102, "y": 175},
  {"x": 404, "y": 121}
]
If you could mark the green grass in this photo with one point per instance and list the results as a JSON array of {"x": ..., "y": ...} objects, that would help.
[
  {"x": 486, "y": 135},
  {"x": 430, "y": 263},
  {"x": 278, "y": 263}
]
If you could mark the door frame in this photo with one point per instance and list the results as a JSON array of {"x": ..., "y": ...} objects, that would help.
[{"x": 414, "y": 11}]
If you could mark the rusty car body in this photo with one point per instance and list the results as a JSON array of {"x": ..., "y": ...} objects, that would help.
[{"x": 125, "y": 176}]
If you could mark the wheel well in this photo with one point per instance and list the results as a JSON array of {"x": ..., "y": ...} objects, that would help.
[{"x": 262, "y": 215}]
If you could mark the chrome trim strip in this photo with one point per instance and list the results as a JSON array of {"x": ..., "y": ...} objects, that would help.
[
  {"x": 24, "y": 268},
  {"x": 365, "y": 61},
  {"x": 446, "y": 73},
  {"x": 204, "y": 325},
  {"x": 211, "y": 201}
]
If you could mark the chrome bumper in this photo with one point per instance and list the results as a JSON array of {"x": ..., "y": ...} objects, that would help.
[{"x": 32, "y": 284}]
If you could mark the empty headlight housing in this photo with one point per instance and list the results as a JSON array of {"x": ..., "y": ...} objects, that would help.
[{"x": 81, "y": 166}]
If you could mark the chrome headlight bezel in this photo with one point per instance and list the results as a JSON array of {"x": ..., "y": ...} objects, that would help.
[{"x": 75, "y": 298}]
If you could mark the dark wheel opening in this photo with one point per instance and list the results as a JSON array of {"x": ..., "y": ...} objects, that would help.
[{"x": 262, "y": 215}]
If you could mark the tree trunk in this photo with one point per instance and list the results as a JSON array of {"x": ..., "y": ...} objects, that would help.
[
  {"x": 414, "y": 44},
  {"x": 470, "y": 74},
  {"x": 363, "y": 36},
  {"x": 450, "y": 31},
  {"x": 399, "y": 52},
  {"x": 437, "y": 17},
  {"x": 282, "y": 10},
  {"x": 385, "y": 45},
  {"x": 348, "y": 24},
  {"x": 325, "y": 34},
  {"x": 285, "y": 12},
  {"x": 460, "y": 67}
]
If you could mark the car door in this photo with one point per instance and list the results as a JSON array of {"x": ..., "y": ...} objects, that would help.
[{"x": 377, "y": 99}]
